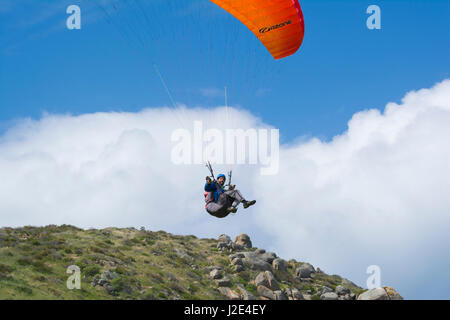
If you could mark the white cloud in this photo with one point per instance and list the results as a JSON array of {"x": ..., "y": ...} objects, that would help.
[{"x": 377, "y": 194}]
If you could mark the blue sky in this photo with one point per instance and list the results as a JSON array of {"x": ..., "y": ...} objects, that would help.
[
  {"x": 387, "y": 175},
  {"x": 342, "y": 67}
]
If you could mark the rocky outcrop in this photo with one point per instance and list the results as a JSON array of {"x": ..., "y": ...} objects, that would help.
[
  {"x": 140, "y": 264},
  {"x": 229, "y": 294},
  {"x": 267, "y": 280},
  {"x": 385, "y": 293},
  {"x": 304, "y": 271},
  {"x": 243, "y": 240}
]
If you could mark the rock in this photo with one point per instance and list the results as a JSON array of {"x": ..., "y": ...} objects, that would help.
[
  {"x": 236, "y": 247},
  {"x": 211, "y": 268},
  {"x": 309, "y": 267},
  {"x": 280, "y": 295},
  {"x": 266, "y": 292},
  {"x": 230, "y": 294},
  {"x": 102, "y": 282},
  {"x": 254, "y": 261},
  {"x": 289, "y": 294},
  {"x": 374, "y": 294},
  {"x": 183, "y": 254},
  {"x": 329, "y": 296},
  {"x": 237, "y": 261},
  {"x": 223, "y": 246},
  {"x": 108, "y": 275},
  {"x": 224, "y": 282},
  {"x": 243, "y": 240},
  {"x": 215, "y": 274},
  {"x": 267, "y": 280},
  {"x": 224, "y": 238},
  {"x": 342, "y": 291},
  {"x": 268, "y": 257},
  {"x": 297, "y": 295},
  {"x": 238, "y": 268},
  {"x": 110, "y": 289},
  {"x": 260, "y": 251},
  {"x": 279, "y": 264},
  {"x": 325, "y": 290},
  {"x": 392, "y": 294},
  {"x": 261, "y": 280},
  {"x": 303, "y": 272},
  {"x": 244, "y": 293}
]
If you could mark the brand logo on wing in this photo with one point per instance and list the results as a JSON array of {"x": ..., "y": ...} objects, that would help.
[{"x": 277, "y": 26}]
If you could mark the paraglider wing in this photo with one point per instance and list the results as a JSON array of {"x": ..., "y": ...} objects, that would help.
[{"x": 278, "y": 24}]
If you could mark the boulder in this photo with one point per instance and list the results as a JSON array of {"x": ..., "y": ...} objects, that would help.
[
  {"x": 279, "y": 264},
  {"x": 267, "y": 280},
  {"x": 183, "y": 254},
  {"x": 266, "y": 293},
  {"x": 108, "y": 275},
  {"x": 309, "y": 267},
  {"x": 325, "y": 290},
  {"x": 109, "y": 288},
  {"x": 342, "y": 291},
  {"x": 280, "y": 295},
  {"x": 329, "y": 296},
  {"x": 244, "y": 293},
  {"x": 374, "y": 294},
  {"x": 224, "y": 238},
  {"x": 260, "y": 251},
  {"x": 254, "y": 261},
  {"x": 215, "y": 274},
  {"x": 223, "y": 246},
  {"x": 392, "y": 294},
  {"x": 297, "y": 295},
  {"x": 243, "y": 240},
  {"x": 238, "y": 268},
  {"x": 293, "y": 294},
  {"x": 236, "y": 247},
  {"x": 223, "y": 282},
  {"x": 268, "y": 257},
  {"x": 230, "y": 294},
  {"x": 303, "y": 272},
  {"x": 237, "y": 261}
]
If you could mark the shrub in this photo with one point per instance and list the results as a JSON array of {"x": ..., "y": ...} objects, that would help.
[
  {"x": 25, "y": 290},
  {"x": 5, "y": 268},
  {"x": 91, "y": 270}
]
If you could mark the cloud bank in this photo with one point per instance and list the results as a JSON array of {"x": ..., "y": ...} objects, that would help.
[{"x": 376, "y": 194}]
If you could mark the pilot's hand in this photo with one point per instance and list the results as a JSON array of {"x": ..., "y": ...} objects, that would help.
[
  {"x": 232, "y": 187},
  {"x": 208, "y": 180}
]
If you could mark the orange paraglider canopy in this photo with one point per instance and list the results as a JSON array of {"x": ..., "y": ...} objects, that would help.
[{"x": 278, "y": 24}]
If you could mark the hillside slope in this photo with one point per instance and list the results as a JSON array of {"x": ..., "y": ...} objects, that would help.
[{"x": 139, "y": 264}]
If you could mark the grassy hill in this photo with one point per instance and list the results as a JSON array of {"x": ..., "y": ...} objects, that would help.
[{"x": 139, "y": 264}]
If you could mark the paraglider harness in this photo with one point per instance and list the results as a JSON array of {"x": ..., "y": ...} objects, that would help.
[{"x": 209, "y": 196}]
